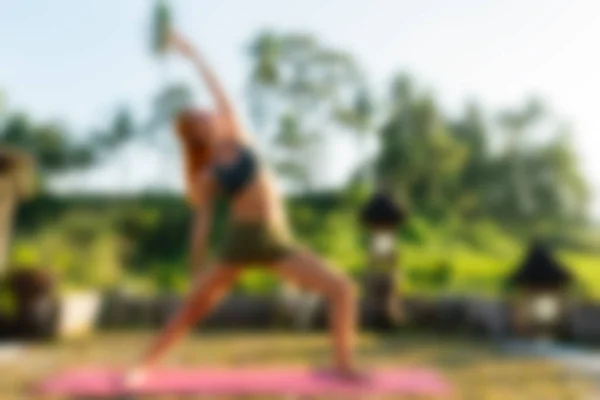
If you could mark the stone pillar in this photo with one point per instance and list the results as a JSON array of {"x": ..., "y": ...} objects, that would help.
[
  {"x": 16, "y": 182},
  {"x": 7, "y": 206},
  {"x": 381, "y": 216},
  {"x": 380, "y": 283},
  {"x": 540, "y": 313}
]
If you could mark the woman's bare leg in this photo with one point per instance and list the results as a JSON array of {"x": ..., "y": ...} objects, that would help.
[
  {"x": 209, "y": 288},
  {"x": 310, "y": 272}
]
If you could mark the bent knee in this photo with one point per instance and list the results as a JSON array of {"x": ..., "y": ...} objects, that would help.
[{"x": 344, "y": 289}]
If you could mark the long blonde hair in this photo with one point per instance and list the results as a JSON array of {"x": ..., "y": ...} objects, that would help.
[{"x": 190, "y": 126}]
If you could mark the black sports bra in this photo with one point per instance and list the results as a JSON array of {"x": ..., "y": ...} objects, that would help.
[{"x": 235, "y": 177}]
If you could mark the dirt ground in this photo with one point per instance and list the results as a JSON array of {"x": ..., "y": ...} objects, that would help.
[{"x": 475, "y": 370}]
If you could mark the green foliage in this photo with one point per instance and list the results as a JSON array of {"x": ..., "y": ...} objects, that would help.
[
  {"x": 7, "y": 301},
  {"x": 57, "y": 150},
  {"x": 81, "y": 250},
  {"x": 585, "y": 268},
  {"x": 142, "y": 245},
  {"x": 460, "y": 168},
  {"x": 257, "y": 280},
  {"x": 161, "y": 23},
  {"x": 168, "y": 277},
  {"x": 300, "y": 86},
  {"x": 49, "y": 143},
  {"x": 474, "y": 195}
]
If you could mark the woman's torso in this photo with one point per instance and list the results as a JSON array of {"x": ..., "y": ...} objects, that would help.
[{"x": 251, "y": 198}]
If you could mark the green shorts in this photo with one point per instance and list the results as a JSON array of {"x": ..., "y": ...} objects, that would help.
[{"x": 250, "y": 243}]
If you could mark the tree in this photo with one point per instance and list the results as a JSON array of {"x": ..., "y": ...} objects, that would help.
[
  {"x": 517, "y": 124},
  {"x": 473, "y": 133},
  {"x": 420, "y": 159},
  {"x": 300, "y": 89},
  {"x": 446, "y": 167},
  {"x": 49, "y": 143}
]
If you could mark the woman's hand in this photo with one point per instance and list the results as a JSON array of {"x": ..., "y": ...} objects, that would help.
[{"x": 224, "y": 104}]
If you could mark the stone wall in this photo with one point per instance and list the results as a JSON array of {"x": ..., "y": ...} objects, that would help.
[
  {"x": 474, "y": 316},
  {"x": 584, "y": 323}
]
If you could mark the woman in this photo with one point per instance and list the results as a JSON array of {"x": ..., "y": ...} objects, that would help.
[{"x": 219, "y": 160}]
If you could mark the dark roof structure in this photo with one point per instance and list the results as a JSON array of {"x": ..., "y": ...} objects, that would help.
[
  {"x": 540, "y": 269},
  {"x": 382, "y": 210}
]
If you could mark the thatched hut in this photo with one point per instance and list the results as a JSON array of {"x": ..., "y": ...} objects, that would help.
[
  {"x": 381, "y": 216},
  {"x": 541, "y": 284}
]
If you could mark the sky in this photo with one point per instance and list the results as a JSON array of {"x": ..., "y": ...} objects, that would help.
[{"x": 76, "y": 61}]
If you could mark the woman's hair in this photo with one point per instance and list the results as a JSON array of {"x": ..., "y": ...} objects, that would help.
[{"x": 193, "y": 128}]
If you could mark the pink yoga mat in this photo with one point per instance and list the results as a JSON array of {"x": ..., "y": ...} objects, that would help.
[{"x": 104, "y": 383}]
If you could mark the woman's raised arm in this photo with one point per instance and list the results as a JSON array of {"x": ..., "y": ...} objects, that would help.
[{"x": 223, "y": 102}]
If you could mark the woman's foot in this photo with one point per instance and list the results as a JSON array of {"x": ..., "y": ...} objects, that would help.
[
  {"x": 351, "y": 373},
  {"x": 134, "y": 378},
  {"x": 346, "y": 372}
]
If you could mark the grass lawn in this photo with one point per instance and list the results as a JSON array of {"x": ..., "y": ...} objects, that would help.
[{"x": 476, "y": 370}]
